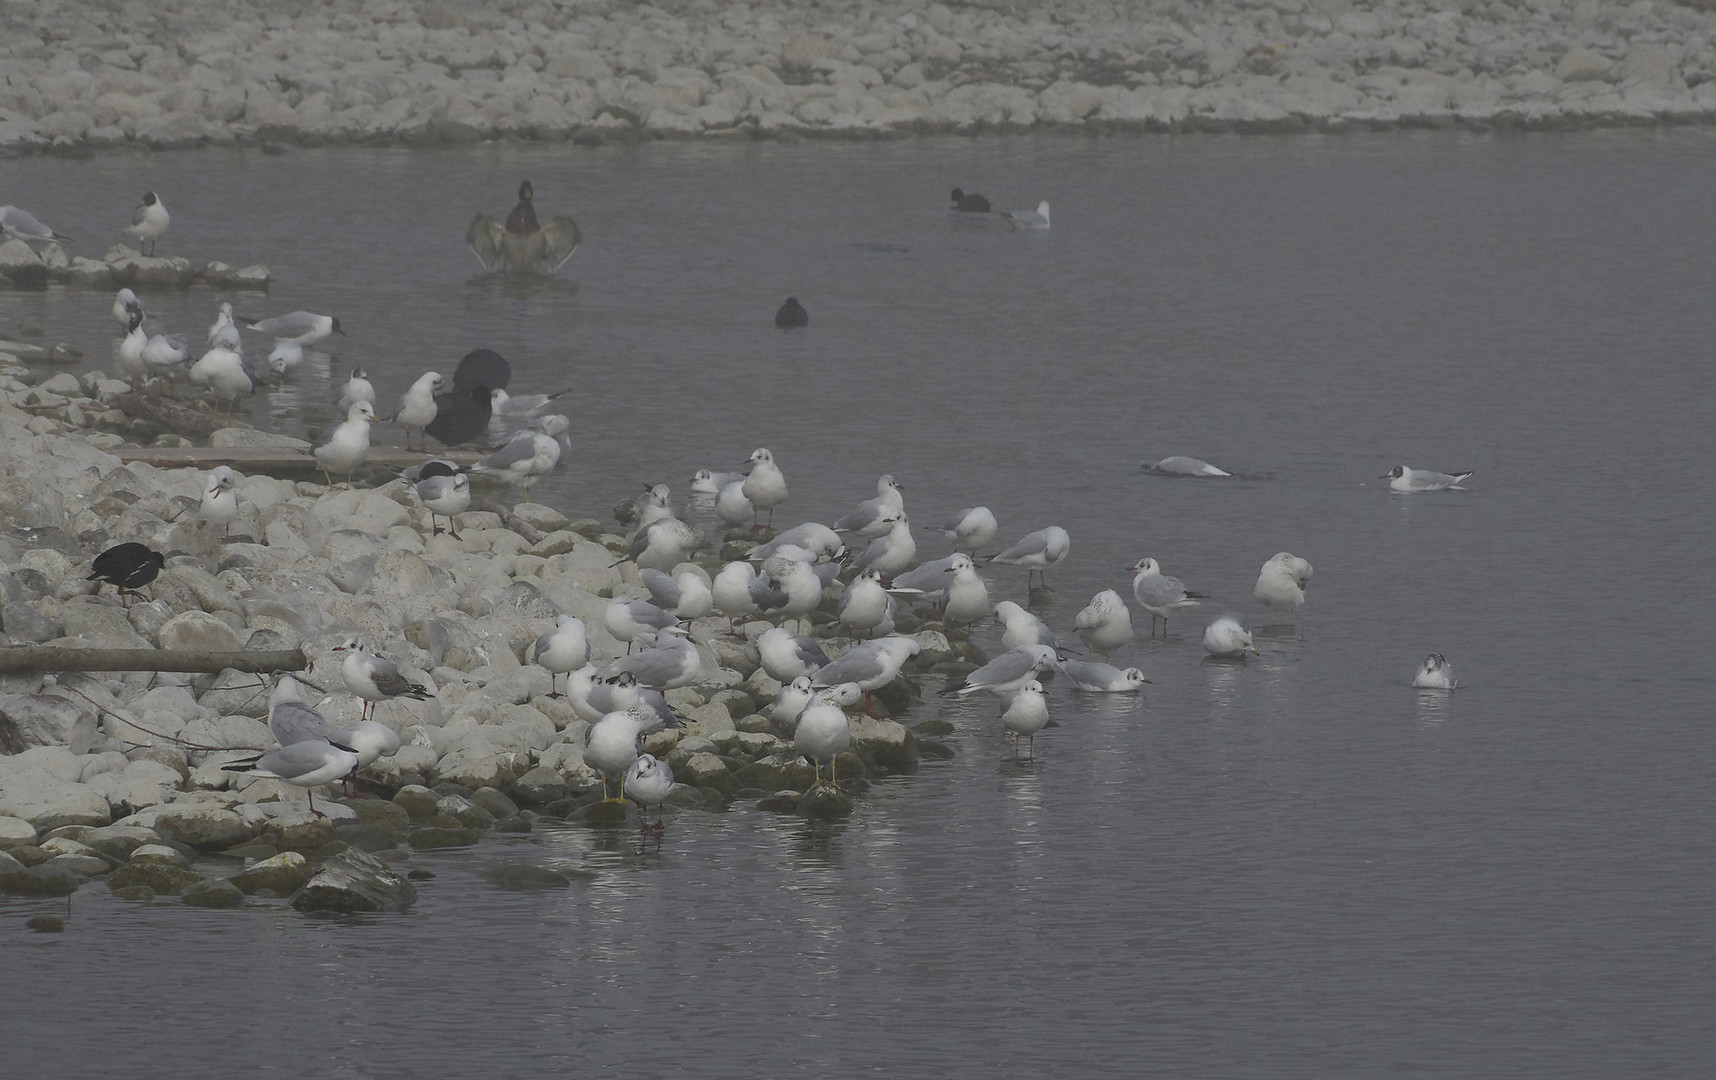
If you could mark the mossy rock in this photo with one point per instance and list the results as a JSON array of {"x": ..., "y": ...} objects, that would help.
[
  {"x": 777, "y": 772},
  {"x": 825, "y": 802},
  {"x": 253, "y": 851},
  {"x": 282, "y": 875},
  {"x": 495, "y": 802},
  {"x": 525, "y": 876},
  {"x": 165, "y": 878},
  {"x": 305, "y": 836},
  {"x": 933, "y": 727},
  {"x": 382, "y": 812},
  {"x": 604, "y": 815},
  {"x": 934, "y": 750},
  {"x": 518, "y": 823},
  {"x": 475, "y": 817},
  {"x": 434, "y": 836},
  {"x": 781, "y": 802},
  {"x": 47, "y": 924},
  {"x": 213, "y": 893},
  {"x": 140, "y": 894},
  {"x": 44, "y": 881},
  {"x": 368, "y": 837},
  {"x": 30, "y": 854},
  {"x": 418, "y": 802}
]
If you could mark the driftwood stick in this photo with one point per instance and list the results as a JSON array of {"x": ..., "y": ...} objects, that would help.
[{"x": 53, "y": 658}]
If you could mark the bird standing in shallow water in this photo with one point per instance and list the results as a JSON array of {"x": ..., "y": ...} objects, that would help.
[
  {"x": 522, "y": 246},
  {"x": 1025, "y": 711},
  {"x": 648, "y": 783}
]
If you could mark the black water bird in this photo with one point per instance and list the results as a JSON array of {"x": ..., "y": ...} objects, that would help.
[
  {"x": 969, "y": 204},
  {"x": 521, "y": 245},
  {"x": 792, "y": 314},
  {"x": 128, "y": 566}
]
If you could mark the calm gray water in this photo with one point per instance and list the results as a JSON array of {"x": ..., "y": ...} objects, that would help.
[{"x": 1298, "y": 867}]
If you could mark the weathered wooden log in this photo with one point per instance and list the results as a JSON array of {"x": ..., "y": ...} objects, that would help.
[{"x": 55, "y": 658}]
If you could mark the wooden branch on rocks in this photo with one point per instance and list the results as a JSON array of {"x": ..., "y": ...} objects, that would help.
[{"x": 54, "y": 658}]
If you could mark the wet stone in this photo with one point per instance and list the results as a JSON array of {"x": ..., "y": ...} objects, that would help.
[
  {"x": 46, "y": 924},
  {"x": 282, "y": 875},
  {"x": 430, "y": 837},
  {"x": 163, "y": 878},
  {"x": 355, "y": 881},
  {"x": 825, "y": 802},
  {"x": 213, "y": 893},
  {"x": 140, "y": 894},
  {"x": 523, "y": 876}
]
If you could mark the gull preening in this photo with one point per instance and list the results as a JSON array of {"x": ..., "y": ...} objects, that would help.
[
  {"x": 686, "y": 595},
  {"x": 1227, "y": 639},
  {"x": 23, "y": 225},
  {"x": 1159, "y": 594},
  {"x": 416, "y": 410},
  {"x": 669, "y": 660},
  {"x": 894, "y": 550},
  {"x": 530, "y": 455},
  {"x": 970, "y": 529},
  {"x": 787, "y": 656},
  {"x": 290, "y": 718},
  {"x": 1281, "y": 582},
  {"x": 223, "y": 332},
  {"x": 1401, "y": 478},
  {"x": 304, "y": 327},
  {"x": 358, "y": 387},
  {"x": 521, "y": 245},
  {"x": 1435, "y": 673},
  {"x": 1105, "y": 624},
  {"x": 124, "y": 303},
  {"x": 148, "y": 221},
  {"x": 1022, "y": 627},
  {"x": 870, "y": 664}
]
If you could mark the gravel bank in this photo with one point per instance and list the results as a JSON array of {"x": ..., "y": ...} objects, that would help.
[{"x": 82, "y": 77}]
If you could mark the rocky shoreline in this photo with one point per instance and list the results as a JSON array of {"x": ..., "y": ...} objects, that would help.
[
  {"x": 189, "y": 74},
  {"x": 118, "y": 777}
]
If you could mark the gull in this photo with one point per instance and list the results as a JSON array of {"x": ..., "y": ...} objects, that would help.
[
  {"x": 871, "y": 518},
  {"x": 738, "y": 591},
  {"x": 1025, "y": 711},
  {"x": 1226, "y": 638},
  {"x": 955, "y": 583},
  {"x": 1281, "y": 582},
  {"x": 970, "y": 529},
  {"x": 823, "y": 730},
  {"x": 413, "y": 474},
  {"x": 148, "y": 221},
  {"x": 799, "y": 588},
  {"x": 612, "y": 744},
  {"x": 620, "y": 693},
  {"x": 22, "y": 225},
  {"x": 1160, "y": 596},
  {"x": 345, "y": 446},
  {"x": 1098, "y": 678},
  {"x": 626, "y": 619},
  {"x": 732, "y": 507},
  {"x": 672, "y": 662},
  {"x": 368, "y": 739},
  {"x": 787, "y": 656},
  {"x": 971, "y": 203},
  {"x": 219, "y": 504},
  {"x": 375, "y": 678},
  {"x": 791, "y": 314},
  {"x": 765, "y": 485},
  {"x": 521, "y": 246},
  {"x": 1022, "y": 627},
  {"x": 1036, "y": 552},
  {"x": 709, "y": 482},
  {"x": 1030, "y": 219},
  {"x": 166, "y": 356},
  {"x": 128, "y": 566},
  {"x": 648, "y": 783},
  {"x": 562, "y": 650},
  {"x": 530, "y": 455},
  {"x": 866, "y": 606},
  {"x": 928, "y": 581},
  {"x": 870, "y": 664},
  {"x": 223, "y": 332},
  {"x": 225, "y": 374},
  {"x": 358, "y": 388},
  {"x": 1178, "y": 465},
  {"x": 417, "y": 408},
  {"x": 129, "y": 351},
  {"x": 304, "y": 327},
  {"x": 508, "y": 411},
  {"x": 1401, "y": 478},
  {"x": 815, "y": 538},
  {"x": 791, "y": 700},
  {"x": 1105, "y": 624},
  {"x": 654, "y": 504},
  {"x": 445, "y": 496},
  {"x": 285, "y": 358},
  {"x": 687, "y": 595},
  {"x": 1007, "y": 672},
  {"x": 1435, "y": 674},
  {"x": 290, "y": 718},
  {"x": 124, "y": 303},
  {"x": 303, "y": 764},
  {"x": 894, "y": 550},
  {"x": 664, "y": 543}
]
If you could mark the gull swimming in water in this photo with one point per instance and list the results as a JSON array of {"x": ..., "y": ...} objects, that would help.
[
  {"x": 823, "y": 731},
  {"x": 521, "y": 245},
  {"x": 765, "y": 484},
  {"x": 1226, "y": 638},
  {"x": 709, "y": 482},
  {"x": 1435, "y": 673},
  {"x": 417, "y": 408},
  {"x": 1030, "y": 219},
  {"x": 304, "y": 327},
  {"x": 1184, "y": 466},
  {"x": 148, "y": 221},
  {"x": 1159, "y": 595},
  {"x": 1095, "y": 677},
  {"x": 219, "y": 505},
  {"x": 1105, "y": 624},
  {"x": 1401, "y": 478},
  {"x": 970, "y": 529},
  {"x": 23, "y": 225},
  {"x": 375, "y": 678},
  {"x": 445, "y": 496},
  {"x": 1025, "y": 711},
  {"x": 648, "y": 783},
  {"x": 345, "y": 446},
  {"x": 562, "y": 650},
  {"x": 1036, "y": 552},
  {"x": 1007, "y": 672},
  {"x": 869, "y": 520},
  {"x": 1281, "y": 582},
  {"x": 530, "y": 455}
]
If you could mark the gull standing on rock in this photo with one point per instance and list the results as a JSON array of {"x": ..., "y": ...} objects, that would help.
[
  {"x": 870, "y": 664},
  {"x": 732, "y": 507},
  {"x": 304, "y": 327},
  {"x": 124, "y": 303},
  {"x": 964, "y": 596},
  {"x": 1007, "y": 672},
  {"x": 219, "y": 504},
  {"x": 417, "y": 408},
  {"x": 765, "y": 484},
  {"x": 166, "y": 356},
  {"x": 787, "y": 656},
  {"x": 1036, "y": 552},
  {"x": 814, "y": 537},
  {"x": 648, "y": 783},
  {"x": 687, "y": 595},
  {"x": 290, "y": 718},
  {"x": 800, "y": 588},
  {"x": 612, "y": 744},
  {"x": 446, "y": 496},
  {"x": 345, "y": 446},
  {"x": 530, "y": 455},
  {"x": 970, "y": 529},
  {"x": 1226, "y": 638},
  {"x": 1025, "y": 711},
  {"x": 627, "y": 618},
  {"x": 1435, "y": 673},
  {"x": 148, "y": 221},
  {"x": 1105, "y": 624},
  {"x": 670, "y": 662},
  {"x": 308, "y": 764},
  {"x": 791, "y": 701},
  {"x": 1098, "y": 678},
  {"x": 871, "y": 518},
  {"x": 375, "y": 678},
  {"x": 562, "y": 650},
  {"x": 223, "y": 332},
  {"x": 22, "y": 225},
  {"x": 894, "y": 550},
  {"x": 823, "y": 731},
  {"x": 1161, "y": 596},
  {"x": 866, "y": 606},
  {"x": 664, "y": 543},
  {"x": 739, "y": 593},
  {"x": 1281, "y": 582},
  {"x": 620, "y": 693}
]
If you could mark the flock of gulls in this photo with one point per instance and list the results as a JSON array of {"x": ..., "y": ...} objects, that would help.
[{"x": 870, "y": 554}]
